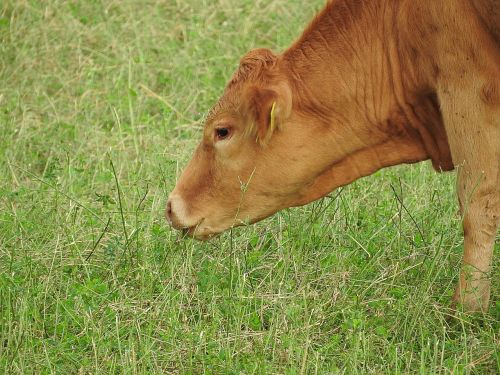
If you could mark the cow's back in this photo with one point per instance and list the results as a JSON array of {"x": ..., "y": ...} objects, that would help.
[{"x": 489, "y": 11}]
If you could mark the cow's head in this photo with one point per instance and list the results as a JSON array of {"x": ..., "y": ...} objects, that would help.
[
  {"x": 240, "y": 172},
  {"x": 262, "y": 150}
]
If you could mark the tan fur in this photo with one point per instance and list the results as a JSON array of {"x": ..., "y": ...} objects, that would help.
[{"x": 368, "y": 85}]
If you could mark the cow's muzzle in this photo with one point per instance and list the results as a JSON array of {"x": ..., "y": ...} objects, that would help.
[{"x": 175, "y": 213}]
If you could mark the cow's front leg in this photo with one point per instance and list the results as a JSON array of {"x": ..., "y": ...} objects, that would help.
[
  {"x": 480, "y": 220},
  {"x": 473, "y": 127}
]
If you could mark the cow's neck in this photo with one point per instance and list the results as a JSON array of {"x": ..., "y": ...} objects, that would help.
[
  {"x": 346, "y": 70},
  {"x": 342, "y": 69}
]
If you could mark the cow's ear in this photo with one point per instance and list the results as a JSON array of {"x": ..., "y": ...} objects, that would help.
[{"x": 266, "y": 110}]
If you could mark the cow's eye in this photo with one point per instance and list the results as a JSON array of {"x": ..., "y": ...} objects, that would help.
[{"x": 222, "y": 133}]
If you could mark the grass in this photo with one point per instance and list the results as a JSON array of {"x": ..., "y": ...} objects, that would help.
[{"x": 101, "y": 104}]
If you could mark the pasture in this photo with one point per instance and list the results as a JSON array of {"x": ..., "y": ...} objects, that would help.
[{"x": 101, "y": 105}]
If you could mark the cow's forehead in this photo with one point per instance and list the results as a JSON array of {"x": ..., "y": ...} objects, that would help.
[
  {"x": 212, "y": 113},
  {"x": 227, "y": 103},
  {"x": 253, "y": 68}
]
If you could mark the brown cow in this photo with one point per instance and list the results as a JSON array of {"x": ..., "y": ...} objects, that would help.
[{"x": 369, "y": 84}]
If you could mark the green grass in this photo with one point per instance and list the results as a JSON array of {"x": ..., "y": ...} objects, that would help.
[{"x": 101, "y": 104}]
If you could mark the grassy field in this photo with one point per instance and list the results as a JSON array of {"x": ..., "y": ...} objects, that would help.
[{"x": 101, "y": 104}]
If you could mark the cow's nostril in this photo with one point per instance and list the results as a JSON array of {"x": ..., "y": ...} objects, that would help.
[{"x": 168, "y": 211}]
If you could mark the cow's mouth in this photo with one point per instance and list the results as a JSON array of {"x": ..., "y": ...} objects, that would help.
[
  {"x": 199, "y": 232},
  {"x": 203, "y": 231},
  {"x": 190, "y": 231}
]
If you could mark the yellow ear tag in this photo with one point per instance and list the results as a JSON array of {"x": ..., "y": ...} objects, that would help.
[{"x": 273, "y": 117}]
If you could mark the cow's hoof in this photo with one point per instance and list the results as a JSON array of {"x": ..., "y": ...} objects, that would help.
[{"x": 471, "y": 305}]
